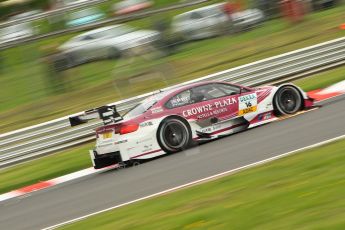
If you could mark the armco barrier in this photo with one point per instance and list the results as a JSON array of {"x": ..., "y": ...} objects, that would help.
[{"x": 55, "y": 135}]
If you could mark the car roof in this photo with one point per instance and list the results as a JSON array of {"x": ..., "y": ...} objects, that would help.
[
  {"x": 100, "y": 29},
  {"x": 164, "y": 94},
  {"x": 175, "y": 90},
  {"x": 201, "y": 9}
]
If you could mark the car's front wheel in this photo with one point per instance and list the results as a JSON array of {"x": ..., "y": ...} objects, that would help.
[
  {"x": 288, "y": 100},
  {"x": 174, "y": 135},
  {"x": 113, "y": 53},
  {"x": 71, "y": 59}
]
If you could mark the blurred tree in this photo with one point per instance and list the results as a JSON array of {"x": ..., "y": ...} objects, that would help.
[
  {"x": 4, "y": 11},
  {"x": 7, "y": 10},
  {"x": 41, "y": 4}
]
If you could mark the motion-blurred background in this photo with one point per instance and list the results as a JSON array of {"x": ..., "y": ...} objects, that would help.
[{"x": 62, "y": 56}]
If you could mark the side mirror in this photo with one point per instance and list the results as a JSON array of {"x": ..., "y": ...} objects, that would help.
[{"x": 243, "y": 90}]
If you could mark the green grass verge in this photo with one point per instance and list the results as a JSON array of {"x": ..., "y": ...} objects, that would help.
[
  {"x": 26, "y": 99},
  {"x": 304, "y": 191},
  {"x": 45, "y": 168},
  {"x": 322, "y": 80},
  {"x": 77, "y": 158}
]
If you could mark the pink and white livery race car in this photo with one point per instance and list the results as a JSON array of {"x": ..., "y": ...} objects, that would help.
[{"x": 173, "y": 120}]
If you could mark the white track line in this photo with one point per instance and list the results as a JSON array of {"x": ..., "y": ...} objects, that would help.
[
  {"x": 53, "y": 182},
  {"x": 200, "y": 181},
  {"x": 335, "y": 88}
]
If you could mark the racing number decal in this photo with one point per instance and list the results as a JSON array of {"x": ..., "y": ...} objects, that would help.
[{"x": 247, "y": 104}]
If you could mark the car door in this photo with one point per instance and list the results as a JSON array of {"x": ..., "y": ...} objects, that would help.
[
  {"x": 223, "y": 110},
  {"x": 197, "y": 22},
  {"x": 94, "y": 47},
  {"x": 246, "y": 100},
  {"x": 204, "y": 106},
  {"x": 214, "y": 20},
  {"x": 84, "y": 46}
]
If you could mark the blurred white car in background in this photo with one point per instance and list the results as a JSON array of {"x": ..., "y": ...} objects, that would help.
[
  {"x": 105, "y": 43},
  {"x": 20, "y": 30},
  {"x": 212, "y": 20},
  {"x": 247, "y": 18},
  {"x": 15, "y": 32},
  {"x": 85, "y": 16}
]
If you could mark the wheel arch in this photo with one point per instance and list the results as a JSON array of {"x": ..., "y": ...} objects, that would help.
[
  {"x": 114, "y": 52},
  {"x": 174, "y": 116},
  {"x": 301, "y": 92}
]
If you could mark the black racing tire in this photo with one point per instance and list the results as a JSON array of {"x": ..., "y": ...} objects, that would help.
[
  {"x": 287, "y": 100},
  {"x": 71, "y": 60},
  {"x": 174, "y": 134},
  {"x": 114, "y": 53}
]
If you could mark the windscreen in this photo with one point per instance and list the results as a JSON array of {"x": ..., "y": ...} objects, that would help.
[
  {"x": 113, "y": 32},
  {"x": 119, "y": 30}
]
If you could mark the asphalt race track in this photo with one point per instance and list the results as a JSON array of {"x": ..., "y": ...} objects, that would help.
[{"x": 99, "y": 191}]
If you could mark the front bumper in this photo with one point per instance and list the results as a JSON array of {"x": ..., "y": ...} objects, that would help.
[{"x": 309, "y": 103}]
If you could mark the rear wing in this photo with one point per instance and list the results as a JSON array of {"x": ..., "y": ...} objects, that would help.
[{"x": 108, "y": 114}]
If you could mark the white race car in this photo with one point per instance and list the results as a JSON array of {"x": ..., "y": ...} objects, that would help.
[{"x": 173, "y": 120}]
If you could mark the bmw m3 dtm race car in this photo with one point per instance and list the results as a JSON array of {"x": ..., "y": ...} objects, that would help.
[{"x": 173, "y": 120}]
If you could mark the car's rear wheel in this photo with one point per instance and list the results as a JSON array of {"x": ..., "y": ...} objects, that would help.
[
  {"x": 287, "y": 100},
  {"x": 174, "y": 135}
]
